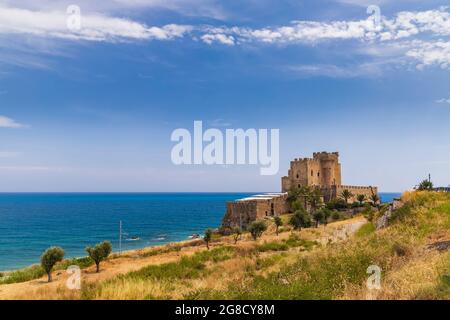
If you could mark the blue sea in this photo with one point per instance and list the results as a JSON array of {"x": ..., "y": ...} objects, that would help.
[{"x": 31, "y": 222}]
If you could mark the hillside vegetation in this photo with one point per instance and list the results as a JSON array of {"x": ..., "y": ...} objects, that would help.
[{"x": 328, "y": 262}]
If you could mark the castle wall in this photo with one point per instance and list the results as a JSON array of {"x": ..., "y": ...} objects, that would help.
[{"x": 242, "y": 212}]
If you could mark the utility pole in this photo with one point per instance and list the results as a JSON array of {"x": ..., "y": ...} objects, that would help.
[
  {"x": 120, "y": 237},
  {"x": 429, "y": 177}
]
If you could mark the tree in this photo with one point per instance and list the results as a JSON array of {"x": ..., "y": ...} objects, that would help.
[
  {"x": 425, "y": 185},
  {"x": 375, "y": 199},
  {"x": 208, "y": 236},
  {"x": 315, "y": 199},
  {"x": 318, "y": 217},
  {"x": 361, "y": 198},
  {"x": 237, "y": 232},
  {"x": 326, "y": 215},
  {"x": 256, "y": 229},
  {"x": 278, "y": 223},
  {"x": 49, "y": 258},
  {"x": 99, "y": 252},
  {"x": 300, "y": 219},
  {"x": 346, "y": 195}
]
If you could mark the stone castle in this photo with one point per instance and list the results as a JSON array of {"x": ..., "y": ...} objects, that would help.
[{"x": 322, "y": 171}]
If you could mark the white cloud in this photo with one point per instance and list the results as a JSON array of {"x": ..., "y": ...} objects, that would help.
[
  {"x": 6, "y": 122},
  {"x": 443, "y": 100},
  {"x": 218, "y": 37},
  {"x": 94, "y": 27},
  {"x": 430, "y": 53}
]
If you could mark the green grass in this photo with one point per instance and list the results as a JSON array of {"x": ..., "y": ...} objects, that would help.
[
  {"x": 35, "y": 271},
  {"x": 365, "y": 230},
  {"x": 284, "y": 245},
  {"x": 161, "y": 251},
  {"x": 327, "y": 273},
  {"x": 26, "y": 274}
]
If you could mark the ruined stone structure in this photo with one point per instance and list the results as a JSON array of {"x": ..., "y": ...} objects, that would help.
[
  {"x": 243, "y": 211},
  {"x": 322, "y": 171}
]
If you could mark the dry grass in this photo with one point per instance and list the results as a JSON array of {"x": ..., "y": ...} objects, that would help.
[{"x": 413, "y": 267}]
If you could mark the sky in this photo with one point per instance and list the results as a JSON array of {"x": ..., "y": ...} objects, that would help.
[{"x": 91, "y": 107}]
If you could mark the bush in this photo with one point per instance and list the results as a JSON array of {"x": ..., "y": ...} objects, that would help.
[
  {"x": 335, "y": 215},
  {"x": 99, "y": 253},
  {"x": 300, "y": 219},
  {"x": 256, "y": 229},
  {"x": 337, "y": 204},
  {"x": 49, "y": 258}
]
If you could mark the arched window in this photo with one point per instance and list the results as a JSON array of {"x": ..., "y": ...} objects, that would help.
[
  {"x": 312, "y": 173},
  {"x": 318, "y": 173}
]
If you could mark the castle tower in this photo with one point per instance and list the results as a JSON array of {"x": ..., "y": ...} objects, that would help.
[{"x": 323, "y": 170}]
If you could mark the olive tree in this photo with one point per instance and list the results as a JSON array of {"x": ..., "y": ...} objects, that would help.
[
  {"x": 237, "y": 232},
  {"x": 256, "y": 229},
  {"x": 300, "y": 219},
  {"x": 99, "y": 252},
  {"x": 49, "y": 258},
  {"x": 208, "y": 236},
  {"x": 278, "y": 223}
]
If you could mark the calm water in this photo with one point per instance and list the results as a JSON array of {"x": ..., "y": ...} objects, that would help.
[{"x": 29, "y": 223}]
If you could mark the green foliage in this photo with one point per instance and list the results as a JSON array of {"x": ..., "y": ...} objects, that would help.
[
  {"x": 292, "y": 242},
  {"x": 300, "y": 219},
  {"x": 337, "y": 204},
  {"x": 365, "y": 230},
  {"x": 278, "y": 223},
  {"x": 335, "y": 215},
  {"x": 49, "y": 258},
  {"x": 99, "y": 253},
  {"x": 208, "y": 236},
  {"x": 346, "y": 195},
  {"x": 26, "y": 274},
  {"x": 256, "y": 229},
  {"x": 425, "y": 185},
  {"x": 318, "y": 217},
  {"x": 375, "y": 199},
  {"x": 361, "y": 198},
  {"x": 237, "y": 233}
]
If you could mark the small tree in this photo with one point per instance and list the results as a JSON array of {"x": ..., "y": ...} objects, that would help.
[
  {"x": 237, "y": 232},
  {"x": 375, "y": 199},
  {"x": 208, "y": 236},
  {"x": 346, "y": 195},
  {"x": 278, "y": 223},
  {"x": 256, "y": 229},
  {"x": 49, "y": 258},
  {"x": 326, "y": 215},
  {"x": 300, "y": 219},
  {"x": 425, "y": 185},
  {"x": 318, "y": 217},
  {"x": 361, "y": 198},
  {"x": 99, "y": 253}
]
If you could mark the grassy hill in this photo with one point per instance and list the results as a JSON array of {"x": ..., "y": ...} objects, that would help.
[{"x": 328, "y": 262}]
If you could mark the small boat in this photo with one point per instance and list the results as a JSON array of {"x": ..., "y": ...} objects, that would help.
[
  {"x": 134, "y": 239},
  {"x": 194, "y": 236}
]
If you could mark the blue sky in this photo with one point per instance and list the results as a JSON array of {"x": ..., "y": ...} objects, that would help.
[{"x": 93, "y": 109}]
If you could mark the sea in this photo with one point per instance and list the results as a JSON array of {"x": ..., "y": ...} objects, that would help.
[{"x": 32, "y": 222}]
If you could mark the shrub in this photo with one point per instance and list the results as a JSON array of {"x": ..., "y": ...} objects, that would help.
[
  {"x": 26, "y": 274},
  {"x": 208, "y": 236},
  {"x": 237, "y": 232},
  {"x": 49, "y": 258},
  {"x": 256, "y": 229},
  {"x": 278, "y": 223},
  {"x": 99, "y": 253},
  {"x": 300, "y": 219},
  {"x": 335, "y": 215},
  {"x": 336, "y": 204}
]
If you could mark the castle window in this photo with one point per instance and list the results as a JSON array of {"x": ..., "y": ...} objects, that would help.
[
  {"x": 312, "y": 173},
  {"x": 318, "y": 174},
  {"x": 297, "y": 175}
]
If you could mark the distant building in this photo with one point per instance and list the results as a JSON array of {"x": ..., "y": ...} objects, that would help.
[{"x": 322, "y": 171}]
